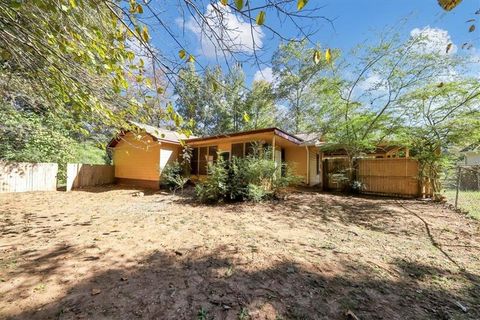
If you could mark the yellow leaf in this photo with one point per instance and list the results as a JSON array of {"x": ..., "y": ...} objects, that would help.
[
  {"x": 261, "y": 18},
  {"x": 301, "y": 4},
  {"x": 145, "y": 34},
  {"x": 191, "y": 58},
  {"x": 316, "y": 56},
  {"x": 246, "y": 117},
  {"x": 73, "y": 3},
  {"x": 239, "y": 4},
  {"x": 160, "y": 90},
  {"x": 224, "y": 2},
  {"x": 139, "y": 8},
  {"x": 182, "y": 54},
  {"x": 472, "y": 28},
  {"x": 449, "y": 4},
  {"x": 328, "y": 56},
  {"x": 449, "y": 46}
]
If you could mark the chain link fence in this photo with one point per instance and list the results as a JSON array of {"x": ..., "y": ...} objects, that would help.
[{"x": 462, "y": 189}]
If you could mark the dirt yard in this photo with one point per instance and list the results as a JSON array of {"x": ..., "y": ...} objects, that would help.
[{"x": 107, "y": 254}]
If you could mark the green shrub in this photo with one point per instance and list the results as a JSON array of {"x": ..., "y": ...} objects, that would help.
[
  {"x": 215, "y": 187},
  {"x": 253, "y": 178},
  {"x": 173, "y": 176}
]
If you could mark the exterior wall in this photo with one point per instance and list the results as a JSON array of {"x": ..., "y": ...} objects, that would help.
[
  {"x": 296, "y": 159},
  {"x": 137, "y": 160},
  {"x": 472, "y": 158},
  {"x": 315, "y": 178},
  {"x": 168, "y": 154}
]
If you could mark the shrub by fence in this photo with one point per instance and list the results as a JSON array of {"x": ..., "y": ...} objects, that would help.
[
  {"x": 24, "y": 176},
  {"x": 84, "y": 175}
]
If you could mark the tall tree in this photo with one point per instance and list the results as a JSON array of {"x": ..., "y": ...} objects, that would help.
[
  {"x": 295, "y": 71},
  {"x": 260, "y": 106}
]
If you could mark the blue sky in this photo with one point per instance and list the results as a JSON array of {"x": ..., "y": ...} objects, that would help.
[{"x": 354, "y": 22}]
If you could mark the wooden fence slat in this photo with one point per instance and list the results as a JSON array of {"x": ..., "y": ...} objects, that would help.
[
  {"x": 383, "y": 176},
  {"x": 24, "y": 176},
  {"x": 83, "y": 175}
]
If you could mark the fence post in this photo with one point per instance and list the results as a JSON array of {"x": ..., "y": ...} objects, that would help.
[{"x": 457, "y": 186}]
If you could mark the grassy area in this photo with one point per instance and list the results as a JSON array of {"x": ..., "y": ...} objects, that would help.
[{"x": 469, "y": 201}]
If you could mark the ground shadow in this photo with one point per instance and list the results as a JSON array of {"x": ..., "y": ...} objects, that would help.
[{"x": 175, "y": 285}]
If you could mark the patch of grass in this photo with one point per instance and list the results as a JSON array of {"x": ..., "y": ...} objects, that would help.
[
  {"x": 243, "y": 315},
  {"x": 202, "y": 314},
  {"x": 468, "y": 201}
]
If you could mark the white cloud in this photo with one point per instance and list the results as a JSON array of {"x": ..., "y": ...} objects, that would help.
[
  {"x": 265, "y": 74},
  {"x": 224, "y": 30},
  {"x": 433, "y": 40}
]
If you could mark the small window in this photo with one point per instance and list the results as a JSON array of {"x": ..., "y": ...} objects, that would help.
[
  {"x": 194, "y": 161},
  {"x": 318, "y": 163},
  {"x": 212, "y": 154},
  {"x": 237, "y": 150},
  {"x": 225, "y": 156},
  {"x": 202, "y": 161}
]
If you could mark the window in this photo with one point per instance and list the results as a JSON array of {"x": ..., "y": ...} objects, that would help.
[
  {"x": 225, "y": 156},
  {"x": 237, "y": 150},
  {"x": 212, "y": 154},
  {"x": 202, "y": 162},
  {"x": 201, "y": 157},
  {"x": 194, "y": 161}
]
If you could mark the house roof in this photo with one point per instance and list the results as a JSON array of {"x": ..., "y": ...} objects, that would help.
[
  {"x": 274, "y": 130},
  {"x": 158, "y": 134},
  {"x": 472, "y": 147}
]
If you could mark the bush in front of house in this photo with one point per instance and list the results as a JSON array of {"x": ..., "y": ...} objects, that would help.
[
  {"x": 253, "y": 178},
  {"x": 173, "y": 176}
]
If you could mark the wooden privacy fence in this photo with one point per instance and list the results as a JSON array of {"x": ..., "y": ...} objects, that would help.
[
  {"x": 396, "y": 177},
  {"x": 24, "y": 176},
  {"x": 83, "y": 175},
  {"x": 383, "y": 176}
]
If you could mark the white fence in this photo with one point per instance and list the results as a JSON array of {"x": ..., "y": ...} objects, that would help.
[
  {"x": 83, "y": 175},
  {"x": 24, "y": 176}
]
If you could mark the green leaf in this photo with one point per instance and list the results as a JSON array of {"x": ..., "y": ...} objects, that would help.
[
  {"x": 317, "y": 56},
  {"x": 239, "y": 4},
  {"x": 182, "y": 54},
  {"x": 160, "y": 90},
  {"x": 261, "y": 18},
  {"x": 301, "y": 4}
]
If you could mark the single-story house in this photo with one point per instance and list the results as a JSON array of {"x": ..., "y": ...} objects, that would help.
[{"x": 140, "y": 156}]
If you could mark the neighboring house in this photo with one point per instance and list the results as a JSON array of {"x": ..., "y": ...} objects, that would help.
[
  {"x": 139, "y": 157},
  {"x": 472, "y": 155}
]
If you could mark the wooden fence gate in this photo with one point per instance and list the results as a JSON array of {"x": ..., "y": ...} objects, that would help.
[
  {"x": 24, "y": 176},
  {"x": 382, "y": 176},
  {"x": 393, "y": 177}
]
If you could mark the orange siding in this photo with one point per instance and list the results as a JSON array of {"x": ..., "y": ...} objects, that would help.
[
  {"x": 137, "y": 158},
  {"x": 296, "y": 158}
]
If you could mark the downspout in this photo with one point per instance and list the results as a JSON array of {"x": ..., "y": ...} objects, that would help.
[{"x": 308, "y": 165}]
